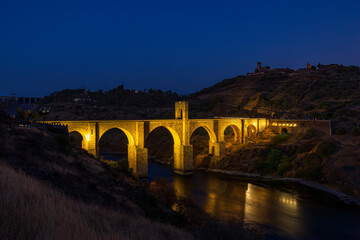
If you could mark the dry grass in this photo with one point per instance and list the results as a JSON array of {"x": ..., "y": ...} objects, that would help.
[{"x": 30, "y": 209}]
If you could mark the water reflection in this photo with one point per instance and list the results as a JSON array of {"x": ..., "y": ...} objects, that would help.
[{"x": 271, "y": 208}]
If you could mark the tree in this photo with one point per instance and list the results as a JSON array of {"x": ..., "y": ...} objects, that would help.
[{"x": 23, "y": 113}]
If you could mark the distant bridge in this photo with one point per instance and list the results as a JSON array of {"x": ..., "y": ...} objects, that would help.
[{"x": 181, "y": 129}]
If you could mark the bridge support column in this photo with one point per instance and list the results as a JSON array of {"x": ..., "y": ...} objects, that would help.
[
  {"x": 183, "y": 159},
  {"x": 211, "y": 147},
  {"x": 219, "y": 150},
  {"x": 90, "y": 143},
  {"x": 138, "y": 160}
]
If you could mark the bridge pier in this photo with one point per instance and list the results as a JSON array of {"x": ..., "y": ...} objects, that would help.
[
  {"x": 138, "y": 160},
  {"x": 183, "y": 159},
  {"x": 219, "y": 150}
]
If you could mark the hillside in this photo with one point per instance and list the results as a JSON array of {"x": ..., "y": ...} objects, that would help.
[
  {"x": 326, "y": 92},
  {"x": 52, "y": 190},
  {"x": 117, "y": 103},
  {"x": 47, "y": 186}
]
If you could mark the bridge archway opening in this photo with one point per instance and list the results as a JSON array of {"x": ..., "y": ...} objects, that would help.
[
  {"x": 76, "y": 139},
  {"x": 202, "y": 141},
  {"x": 160, "y": 144},
  {"x": 251, "y": 130},
  {"x": 113, "y": 144},
  {"x": 232, "y": 135},
  {"x": 284, "y": 130}
]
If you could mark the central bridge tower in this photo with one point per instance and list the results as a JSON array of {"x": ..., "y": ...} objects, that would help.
[{"x": 184, "y": 151}]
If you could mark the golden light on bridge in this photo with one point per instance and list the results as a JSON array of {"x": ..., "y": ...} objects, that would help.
[
  {"x": 136, "y": 132},
  {"x": 284, "y": 124}
]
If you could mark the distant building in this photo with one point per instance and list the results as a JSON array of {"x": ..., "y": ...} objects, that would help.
[
  {"x": 308, "y": 66},
  {"x": 260, "y": 69}
]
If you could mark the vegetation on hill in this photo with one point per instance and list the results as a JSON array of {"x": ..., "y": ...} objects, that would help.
[
  {"x": 117, "y": 103},
  {"x": 327, "y": 92},
  {"x": 332, "y": 160},
  {"x": 30, "y": 209}
]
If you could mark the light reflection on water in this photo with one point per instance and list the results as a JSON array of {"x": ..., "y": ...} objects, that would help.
[
  {"x": 277, "y": 208},
  {"x": 290, "y": 213}
]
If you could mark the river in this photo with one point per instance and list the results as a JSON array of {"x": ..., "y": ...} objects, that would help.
[{"x": 281, "y": 210}]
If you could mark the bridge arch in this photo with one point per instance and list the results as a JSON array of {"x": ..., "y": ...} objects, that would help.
[
  {"x": 174, "y": 134},
  {"x": 251, "y": 131},
  {"x": 235, "y": 130},
  {"x": 114, "y": 140},
  {"x": 211, "y": 133},
  {"x": 77, "y": 139},
  {"x": 129, "y": 137},
  {"x": 177, "y": 144},
  {"x": 203, "y": 144},
  {"x": 160, "y": 144}
]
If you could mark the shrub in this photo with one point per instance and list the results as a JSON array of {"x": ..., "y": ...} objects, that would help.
[
  {"x": 326, "y": 148},
  {"x": 277, "y": 139},
  {"x": 309, "y": 133},
  {"x": 340, "y": 131},
  {"x": 312, "y": 168},
  {"x": 164, "y": 191},
  {"x": 284, "y": 165},
  {"x": 273, "y": 159},
  {"x": 118, "y": 166}
]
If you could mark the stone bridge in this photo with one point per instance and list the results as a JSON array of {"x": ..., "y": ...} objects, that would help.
[{"x": 181, "y": 129}]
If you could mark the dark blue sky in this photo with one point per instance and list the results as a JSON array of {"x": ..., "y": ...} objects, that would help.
[{"x": 184, "y": 46}]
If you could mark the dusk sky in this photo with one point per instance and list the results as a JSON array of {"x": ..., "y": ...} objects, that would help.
[{"x": 183, "y": 46}]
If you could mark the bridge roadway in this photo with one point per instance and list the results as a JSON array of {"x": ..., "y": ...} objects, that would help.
[{"x": 181, "y": 129}]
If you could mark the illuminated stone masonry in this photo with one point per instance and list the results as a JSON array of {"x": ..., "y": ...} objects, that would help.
[{"x": 181, "y": 129}]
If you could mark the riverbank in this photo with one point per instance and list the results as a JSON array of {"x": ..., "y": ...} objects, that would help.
[
  {"x": 277, "y": 209},
  {"x": 347, "y": 199}
]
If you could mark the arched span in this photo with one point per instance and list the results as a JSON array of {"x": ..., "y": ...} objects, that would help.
[
  {"x": 174, "y": 134},
  {"x": 251, "y": 129},
  {"x": 128, "y": 135},
  {"x": 76, "y": 139},
  {"x": 77, "y": 132},
  {"x": 235, "y": 129},
  {"x": 211, "y": 133},
  {"x": 113, "y": 140}
]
